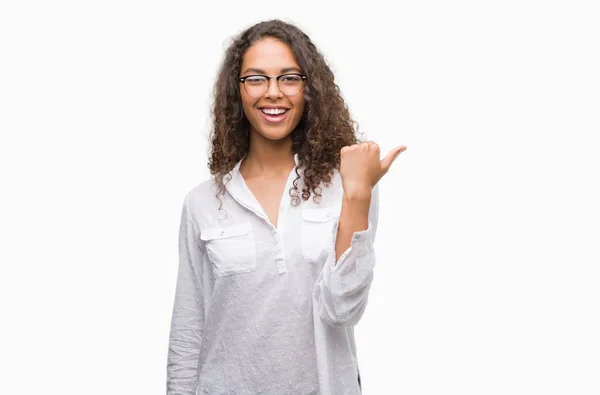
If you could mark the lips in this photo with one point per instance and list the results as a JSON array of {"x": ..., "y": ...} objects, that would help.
[
  {"x": 273, "y": 111},
  {"x": 274, "y": 114}
]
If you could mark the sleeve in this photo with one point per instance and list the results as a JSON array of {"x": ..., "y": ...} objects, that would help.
[
  {"x": 187, "y": 322},
  {"x": 342, "y": 288}
]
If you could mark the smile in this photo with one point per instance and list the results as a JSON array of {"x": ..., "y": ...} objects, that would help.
[
  {"x": 274, "y": 115},
  {"x": 273, "y": 111}
]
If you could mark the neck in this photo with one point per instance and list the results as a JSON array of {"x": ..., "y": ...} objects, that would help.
[{"x": 268, "y": 158}]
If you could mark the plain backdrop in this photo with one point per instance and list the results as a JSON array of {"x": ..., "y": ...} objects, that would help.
[{"x": 487, "y": 278}]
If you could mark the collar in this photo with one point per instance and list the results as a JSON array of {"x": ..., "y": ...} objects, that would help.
[{"x": 239, "y": 190}]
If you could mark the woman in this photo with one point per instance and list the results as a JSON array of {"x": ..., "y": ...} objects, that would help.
[{"x": 276, "y": 249}]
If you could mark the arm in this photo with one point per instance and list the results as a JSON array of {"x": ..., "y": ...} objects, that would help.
[
  {"x": 187, "y": 321},
  {"x": 342, "y": 288},
  {"x": 354, "y": 217}
]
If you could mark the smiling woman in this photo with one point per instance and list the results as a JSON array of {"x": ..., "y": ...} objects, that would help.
[
  {"x": 271, "y": 282},
  {"x": 270, "y": 97}
]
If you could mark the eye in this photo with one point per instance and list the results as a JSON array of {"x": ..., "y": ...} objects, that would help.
[
  {"x": 255, "y": 80},
  {"x": 291, "y": 78}
]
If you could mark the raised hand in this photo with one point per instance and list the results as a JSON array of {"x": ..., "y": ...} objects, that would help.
[{"x": 361, "y": 167}]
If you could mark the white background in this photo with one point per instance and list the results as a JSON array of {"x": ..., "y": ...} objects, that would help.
[{"x": 487, "y": 279}]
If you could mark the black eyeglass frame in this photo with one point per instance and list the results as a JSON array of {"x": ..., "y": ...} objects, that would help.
[{"x": 303, "y": 76}]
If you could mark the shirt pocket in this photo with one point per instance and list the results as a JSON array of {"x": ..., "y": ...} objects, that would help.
[
  {"x": 231, "y": 248},
  {"x": 317, "y": 232}
]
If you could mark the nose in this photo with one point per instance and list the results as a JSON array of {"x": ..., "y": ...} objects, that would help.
[{"x": 273, "y": 91}]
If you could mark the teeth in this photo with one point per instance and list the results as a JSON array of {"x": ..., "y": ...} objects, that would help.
[{"x": 273, "y": 111}]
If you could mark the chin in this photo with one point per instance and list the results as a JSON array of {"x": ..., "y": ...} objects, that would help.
[
  {"x": 275, "y": 135},
  {"x": 273, "y": 132}
]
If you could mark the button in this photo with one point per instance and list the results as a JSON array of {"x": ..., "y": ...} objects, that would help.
[
  {"x": 222, "y": 233},
  {"x": 357, "y": 237}
]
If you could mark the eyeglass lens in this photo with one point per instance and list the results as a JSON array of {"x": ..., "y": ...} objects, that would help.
[{"x": 289, "y": 85}]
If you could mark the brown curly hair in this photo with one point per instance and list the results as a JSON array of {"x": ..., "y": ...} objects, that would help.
[{"x": 325, "y": 126}]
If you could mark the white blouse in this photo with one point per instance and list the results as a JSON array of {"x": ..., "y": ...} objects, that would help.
[{"x": 265, "y": 310}]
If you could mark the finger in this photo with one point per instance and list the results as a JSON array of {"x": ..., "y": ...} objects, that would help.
[{"x": 391, "y": 157}]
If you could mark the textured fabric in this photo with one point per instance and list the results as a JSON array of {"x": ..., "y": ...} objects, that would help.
[{"x": 261, "y": 309}]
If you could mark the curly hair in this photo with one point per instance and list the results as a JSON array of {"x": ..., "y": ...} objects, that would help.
[{"x": 325, "y": 126}]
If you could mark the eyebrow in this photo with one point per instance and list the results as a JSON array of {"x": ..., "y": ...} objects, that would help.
[{"x": 283, "y": 71}]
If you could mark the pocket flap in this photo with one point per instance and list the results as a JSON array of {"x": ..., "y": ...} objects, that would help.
[
  {"x": 321, "y": 214},
  {"x": 225, "y": 231}
]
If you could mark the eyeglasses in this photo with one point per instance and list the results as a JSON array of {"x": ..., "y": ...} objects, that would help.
[{"x": 288, "y": 84}]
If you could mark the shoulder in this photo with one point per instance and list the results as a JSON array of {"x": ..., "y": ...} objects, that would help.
[{"x": 202, "y": 195}]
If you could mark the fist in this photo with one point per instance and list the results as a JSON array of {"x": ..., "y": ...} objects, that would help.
[{"x": 361, "y": 166}]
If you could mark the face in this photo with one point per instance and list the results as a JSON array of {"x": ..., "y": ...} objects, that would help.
[{"x": 273, "y": 115}]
